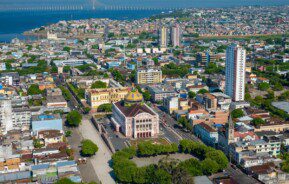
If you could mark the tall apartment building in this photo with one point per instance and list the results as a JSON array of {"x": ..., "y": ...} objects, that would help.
[
  {"x": 176, "y": 35},
  {"x": 97, "y": 97},
  {"x": 149, "y": 76},
  {"x": 13, "y": 117},
  {"x": 235, "y": 72},
  {"x": 163, "y": 37}
]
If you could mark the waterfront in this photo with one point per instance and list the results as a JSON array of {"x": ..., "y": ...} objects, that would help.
[{"x": 17, "y": 17}]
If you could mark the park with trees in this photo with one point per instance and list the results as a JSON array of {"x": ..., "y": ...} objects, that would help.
[{"x": 207, "y": 161}]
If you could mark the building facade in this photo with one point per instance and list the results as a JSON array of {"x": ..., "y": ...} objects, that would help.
[
  {"x": 163, "y": 37},
  {"x": 97, "y": 97},
  {"x": 235, "y": 72},
  {"x": 134, "y": 118},
  {"x": 13, "y": 118},
  {"x": 149, "y": 76},
  {"x": 176, "y": 35}
]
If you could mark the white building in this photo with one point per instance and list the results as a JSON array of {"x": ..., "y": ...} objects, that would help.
[
  {"x": 13, "y": 118},
  {"x": 171, "y": 104},
  {"x": 176, "y": 36},
  {"x": 235, "y": 72}
]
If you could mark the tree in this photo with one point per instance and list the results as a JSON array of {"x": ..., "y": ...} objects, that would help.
[
  {"x": 98, "y": 84},
  {"x": 192, "y": 94},
  {"x": 37, "y": 143},
  {"x": 185, "y": 123},
  {"x": 66, "y": 69},
  {"x": 192, "y": 166},
  {"x": 202, "y": 91},
  {"x": 162, "y": 177},
  {"x": 278, "y": 87},
  {"x": 105, "y": 108},
  {"x": 209, "y": 166},
  {"x": 54, "y": 69},
  {"x": 66, "y": 48},
  {"x": 248, "y": 97},
  {"x": 219, "y": 157},
  {"x": 237, "y": 113},
  {"x": 146, "y": 95},
  {"x": 263, "y": 86},
  {"x": 284, "y": 96},
  {"x": 88, "y": 148},
  {"x": 156, "y": 61},
  {"x": 86, "y": 110},
  {"x": 34, "y": 90},
  {"x": 65, "y": 181},
  {"x": 68, "y": 133},
  {"x": 258, "y": 121},
  {"x": 73, "y": 118}
]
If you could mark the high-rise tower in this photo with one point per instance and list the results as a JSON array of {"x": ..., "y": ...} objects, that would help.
[
  {"x": 176, "y": 36},
  {"x": 163, "y": 37},
  {"x": 235, "y": 72}
]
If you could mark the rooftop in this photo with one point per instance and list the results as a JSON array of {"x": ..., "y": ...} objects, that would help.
[
  {"x": 46, "y": 117},
  {"x": 134, "y": 109}
]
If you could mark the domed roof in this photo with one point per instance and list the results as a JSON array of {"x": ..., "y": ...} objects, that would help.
[{"x": 134, "y": 96}]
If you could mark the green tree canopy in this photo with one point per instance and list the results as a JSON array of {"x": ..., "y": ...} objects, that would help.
[
  {"x": 73, "y": 118},
  {"x": 202, "y": 91},
  {"x": 278, "y": 87},
  {"x": 219, "y": 157},
  {"x": 98, "y": 84},
  {"x": 88, "y": 148},
  {"x": 237, "y": 113},
  {"x": 192, "y": 94},
  {"x": 105, "y": 108},
  {"x": 209, "y": 166},
  {"x": 34, "y": 90},
  {"x": 263, "y": 86},
  {"x": 258, "y": 121}
]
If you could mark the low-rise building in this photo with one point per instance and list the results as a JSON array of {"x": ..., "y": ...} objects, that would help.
[
  {"x": 207, "y": 134},
  {"x": 171, "y": 104},
  {"x": 46, "y": 122},
  {"x": 97, "y": 97},
  {"x": 134, "y": 118},
  {"x": 159, "y": 92}
]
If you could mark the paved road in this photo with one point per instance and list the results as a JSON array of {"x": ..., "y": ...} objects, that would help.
[
  {"x": 171, "y": 122},
  {"x": 102, "y": 158},
  {"x": 87, "y": 171}
]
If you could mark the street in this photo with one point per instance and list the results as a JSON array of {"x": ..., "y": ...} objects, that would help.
[
  {"x": 171, "y": 124},
  {"x": 100, "y": 161}
]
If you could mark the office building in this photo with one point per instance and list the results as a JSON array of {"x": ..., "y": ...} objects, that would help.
[{"x": 235, "y": 72}]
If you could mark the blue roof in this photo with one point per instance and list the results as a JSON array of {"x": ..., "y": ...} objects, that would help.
[
  {"x": 65, "y": 163},
  {"x": 40, "y": 166}
]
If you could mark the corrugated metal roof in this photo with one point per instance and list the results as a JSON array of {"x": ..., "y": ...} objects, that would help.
[
  {"x": 65, "y": 163},
  {"x": 41, "y": 166}
]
